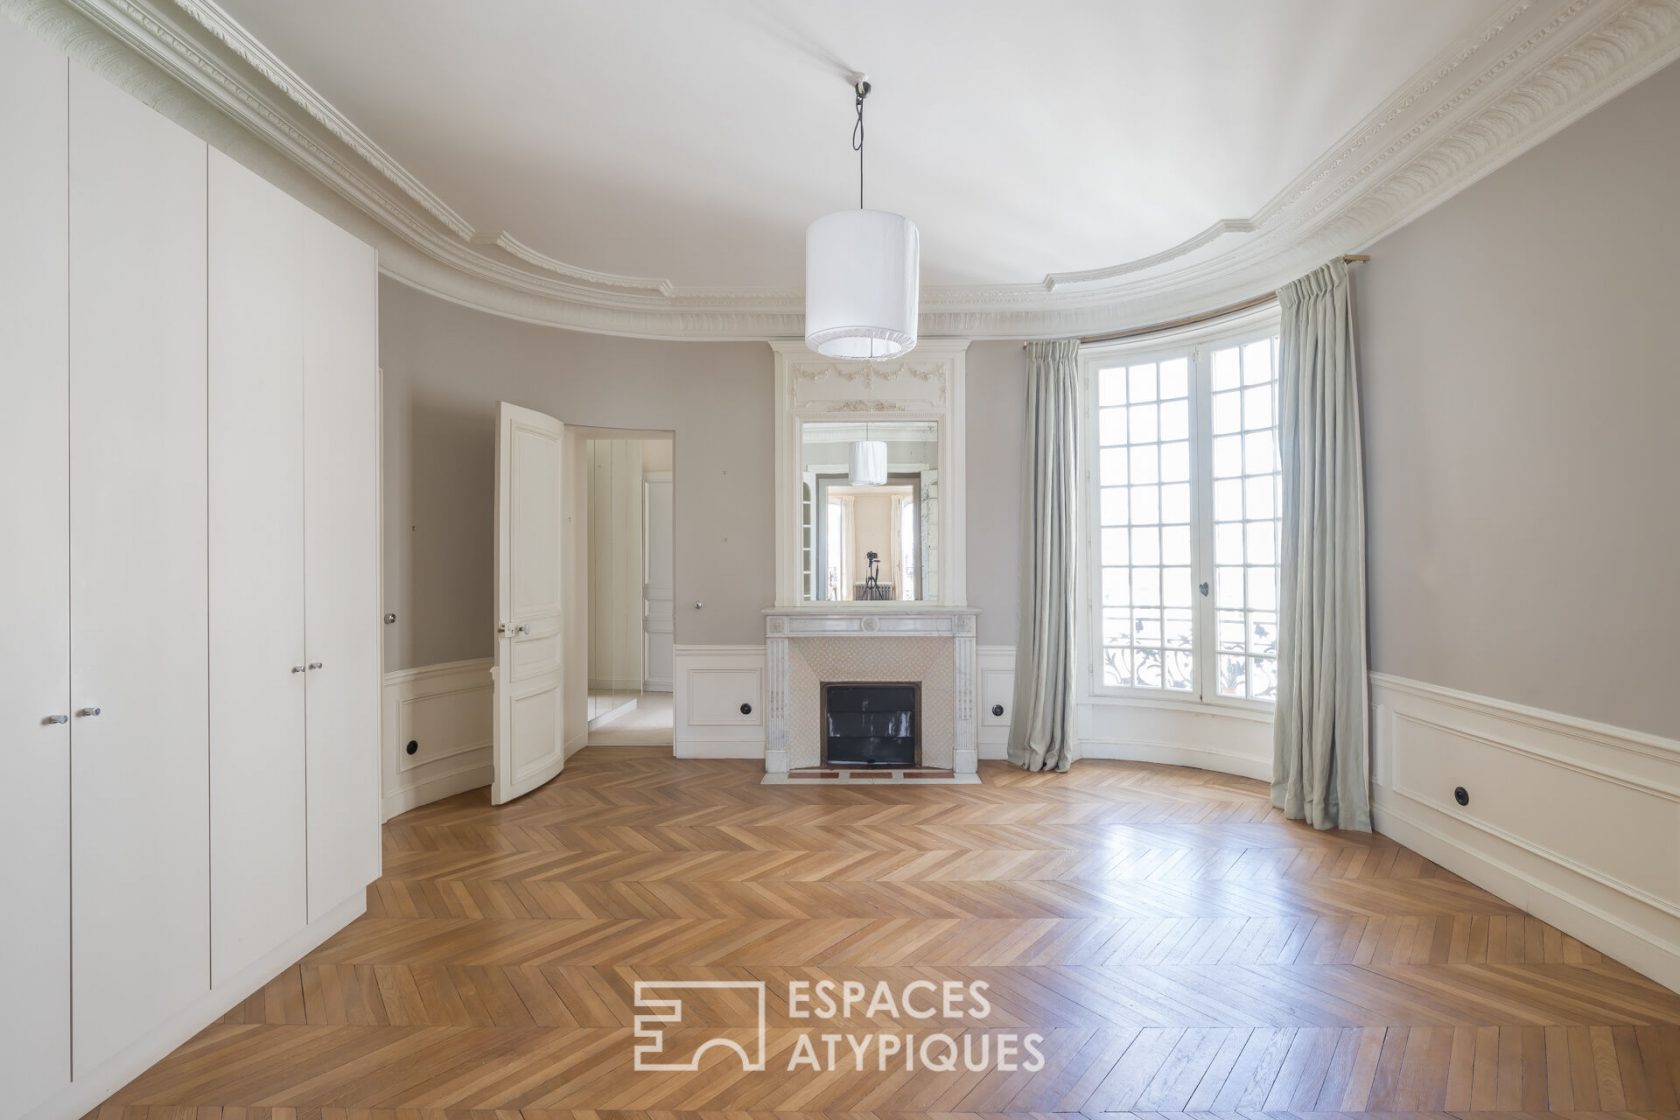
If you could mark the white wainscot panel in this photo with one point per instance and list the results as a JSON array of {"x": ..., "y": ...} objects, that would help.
[
  {"x": 1575, "y": 822},
  {"x": 996, "y": 668},
  {"x": 711, "y": 685},
  {"x": 446, "y": 710},
  {"x": 1231, "y": 740}
]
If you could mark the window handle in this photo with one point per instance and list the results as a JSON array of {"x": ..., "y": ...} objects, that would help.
[{"x": 1204, "y": 589}]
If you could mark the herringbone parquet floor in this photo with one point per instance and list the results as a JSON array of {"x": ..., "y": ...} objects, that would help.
[{"x": 1180, "y": 947}]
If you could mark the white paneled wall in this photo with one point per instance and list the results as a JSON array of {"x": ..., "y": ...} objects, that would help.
[
  {"x": 445, "y": 712},
  {"x": 712, "y": 684},
  {"x": 188, "y": 595},
  {"x": 1574, "y": 822}
]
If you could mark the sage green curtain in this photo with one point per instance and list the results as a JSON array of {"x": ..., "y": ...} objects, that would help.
[
  {"x": 1041, "y": 732},
  {"x": 1321, "y": 754}
]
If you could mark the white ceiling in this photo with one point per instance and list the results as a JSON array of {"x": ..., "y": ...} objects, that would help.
[{"x": 693, "y": 140}]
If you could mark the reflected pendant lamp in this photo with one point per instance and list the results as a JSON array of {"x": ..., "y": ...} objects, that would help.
[
  {"x": 862, "y": 275},
  {"x": 868, "y": 462}
]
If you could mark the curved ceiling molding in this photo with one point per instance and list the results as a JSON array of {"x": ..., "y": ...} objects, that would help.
[{"x": 1537, "y": 66}]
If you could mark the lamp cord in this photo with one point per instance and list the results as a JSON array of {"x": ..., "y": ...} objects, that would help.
[{"x": 862, "y": 89}]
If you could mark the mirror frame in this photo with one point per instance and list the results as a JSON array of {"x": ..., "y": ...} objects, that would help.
[{"x": 925, "y": 385}]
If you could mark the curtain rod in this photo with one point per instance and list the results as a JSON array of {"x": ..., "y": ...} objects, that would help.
[{"x": 1193, "y": 320}]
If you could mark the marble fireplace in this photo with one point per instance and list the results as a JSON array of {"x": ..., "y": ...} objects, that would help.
[{"x": 931, "y": 646}]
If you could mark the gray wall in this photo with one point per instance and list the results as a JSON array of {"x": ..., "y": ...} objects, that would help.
[
  {"x": 997, "y": 397},
  {"x": 445, "y": 369},
  {"x": 447, "y": 366},
  {"x": 1521, "y": 394}
]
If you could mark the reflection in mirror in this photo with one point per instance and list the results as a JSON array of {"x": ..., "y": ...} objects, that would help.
[{"x": 869, "y": 543}]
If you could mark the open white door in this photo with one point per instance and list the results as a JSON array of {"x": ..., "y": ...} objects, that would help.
[{"x": 530, "y": 583}]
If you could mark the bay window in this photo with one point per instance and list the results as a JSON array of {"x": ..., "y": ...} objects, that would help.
[{"x": 1183, "y": 495}]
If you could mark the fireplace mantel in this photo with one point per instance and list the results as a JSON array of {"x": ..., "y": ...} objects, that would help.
[{"x": 940, "y": 645}]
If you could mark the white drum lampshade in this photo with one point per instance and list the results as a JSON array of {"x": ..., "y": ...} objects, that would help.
[
  {"x": 869, "y": 463},
  {"x": 862, "y": 277}
]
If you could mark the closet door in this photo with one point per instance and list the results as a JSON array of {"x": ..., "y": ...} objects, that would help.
[
  {"x": 139, "y": 776},
  {"x": 257, "y": 886},
  {"x": 34, "y": 577},
  {"x": 341, "y": 560}
]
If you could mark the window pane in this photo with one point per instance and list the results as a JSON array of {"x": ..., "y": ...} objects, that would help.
[
  {"x": 1175, "y": 545},
  {"x": 1228, "y": 544},
  {"x": 1140, "y": 383},
  {"x": 1117, "y": 668},
  {"x": 1227, "y": 369},
  {"x": 1111, "y": 386},
  {"x": 1115, "y": 548},
  {"x": 1262, "y": 678},
  {"x": 1116, "y": 587},
  {"x": 1175, "y": 587},
  {"x": 1146, "y": 505},
  {"x": 1113, "y": 503},
  {"x": 1258, "y": 492},
  {"x": 1146, "y": 545},
  {"x": 1145, "y": 463},
  {"x": 1257, "y": 407},
  {"x": 1228, "y": 500},
  {"x": 1111, "y": 426},
  {"x": 1259, "y": 453},
  {"x": 1227, "y": 413},
  {"x": 1175, "y": 504},
  {"x": 1116, "y": 627},
  {"x": 1257, "y": 362},
  {"x": 1175, "y": 379},
  {"x": 1227, "y": 456},
  {"x": 1175, "y": 462},
  {"x": 1111, "y": 466},
  {"x": 1179, "y": 629},
  {"x": 1143, "y": 422},
  {"x": 1261, "y": 542},
  {"x": 1232, "y": 679},
  {"x": 1231, "y": 631},
  {"x": 1175, "y": 420}
]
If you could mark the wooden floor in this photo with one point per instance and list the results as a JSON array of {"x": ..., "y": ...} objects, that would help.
[{"x": 1180, "y": 947}]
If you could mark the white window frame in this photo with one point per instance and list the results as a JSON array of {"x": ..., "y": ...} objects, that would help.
[{"x": 1198, "y": 344}]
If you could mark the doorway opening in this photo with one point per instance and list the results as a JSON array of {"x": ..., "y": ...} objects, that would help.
[{"x": 630, "y": 589}]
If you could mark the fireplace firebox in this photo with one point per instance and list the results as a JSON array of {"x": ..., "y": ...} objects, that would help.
[{"x": 872, "y": 723}]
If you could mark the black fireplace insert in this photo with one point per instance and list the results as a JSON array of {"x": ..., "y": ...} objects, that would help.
[{"x": 872, "y": 723}]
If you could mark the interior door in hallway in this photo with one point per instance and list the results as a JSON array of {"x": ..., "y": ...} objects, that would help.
[
  {"x": 530, "y": 586},
  {"x": 658, "y": 586}
]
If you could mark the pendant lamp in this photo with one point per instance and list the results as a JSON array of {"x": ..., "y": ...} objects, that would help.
[{"x": 862, "y": 275}]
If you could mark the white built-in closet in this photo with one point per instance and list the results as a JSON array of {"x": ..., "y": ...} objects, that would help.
[{"x": 189, "y": 672}]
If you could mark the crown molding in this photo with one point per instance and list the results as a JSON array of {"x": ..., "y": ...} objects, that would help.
[{"x": 1534, "y": 68}]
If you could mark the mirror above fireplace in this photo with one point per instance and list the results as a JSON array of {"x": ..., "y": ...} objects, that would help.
[{"x": 869, "y": 472}]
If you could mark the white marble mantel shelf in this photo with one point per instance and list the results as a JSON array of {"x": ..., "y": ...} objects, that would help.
[
  {"x": 869, "y": 619},
  {"x": 783, "y": 626}
]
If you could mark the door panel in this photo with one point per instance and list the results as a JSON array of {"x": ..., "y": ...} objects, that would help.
[
  {"x": 341, "y": 560},
  {"x": 530, "y": 668},
  {"x": 34, "y": 575},
  {"x": 660, "y": 585},
  {"x": 139, "y": 774},
  {"x": 256, "y": 568}
]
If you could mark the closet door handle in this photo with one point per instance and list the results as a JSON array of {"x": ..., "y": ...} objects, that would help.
[
  {"x": 314, "y": 664},
  {"x": 297, "y": 668},
  {"x": 50, "y": 720},
  {"x": 88, "y": 711}
]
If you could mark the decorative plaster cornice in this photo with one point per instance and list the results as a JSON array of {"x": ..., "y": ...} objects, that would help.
[{"x": 1534, "y": 68}]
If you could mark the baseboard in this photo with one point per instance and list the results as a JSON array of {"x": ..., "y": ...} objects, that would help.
[
  {"x": 721, "y": 748},
  {"x": 414, "y": 795},
  {"x": 86, "y": 1094},
  {"x": 1244, "y": 765},
  {"x": 1605, "y": 869}
]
